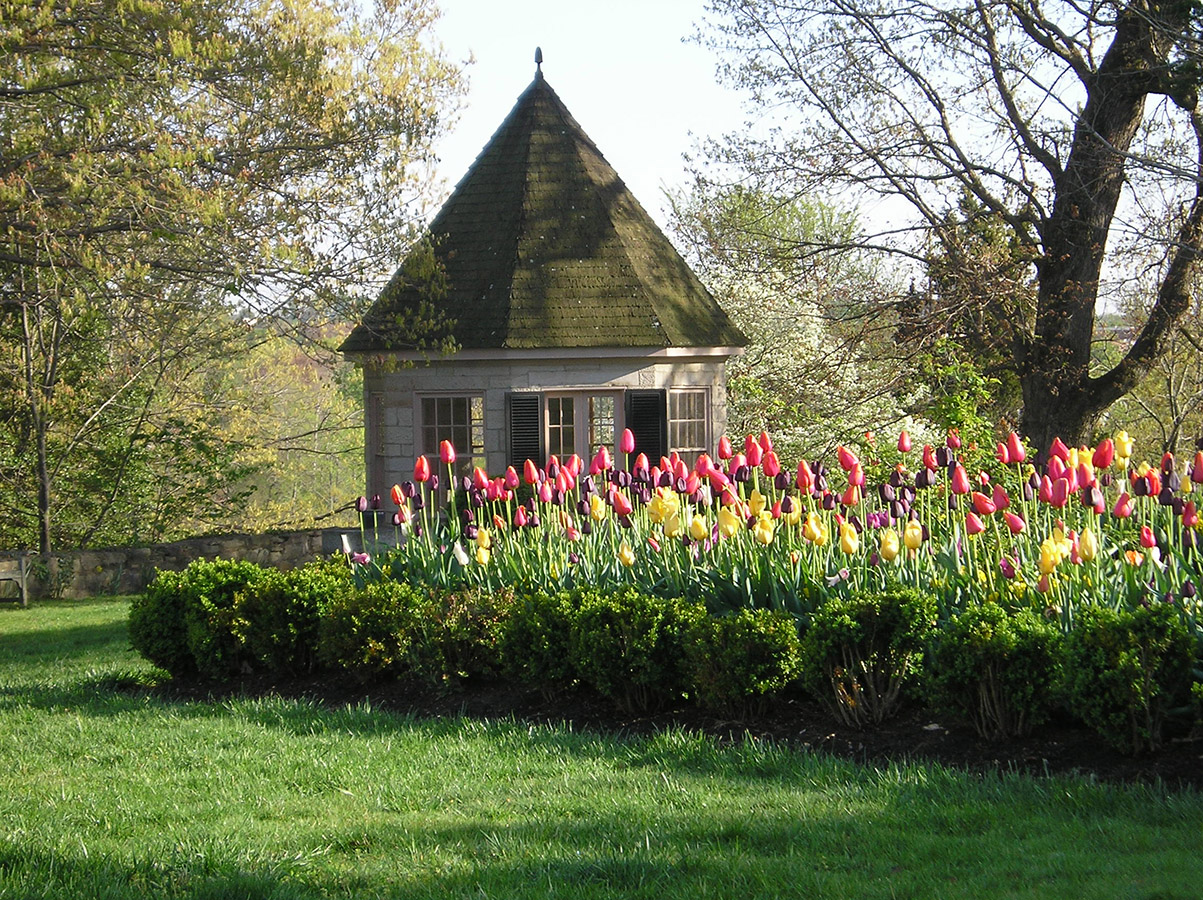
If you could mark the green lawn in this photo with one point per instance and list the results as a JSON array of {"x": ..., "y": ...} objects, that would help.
[{"x": 109, "y": 793}]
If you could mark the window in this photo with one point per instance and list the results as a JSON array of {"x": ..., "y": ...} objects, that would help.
[
  {"x": 561, "y": 426},
  {"x": 688, "y": 423},
  {"x": 460, "y": 420},
  {"x": 579, "y": 423},
  {"x": 601, "y": 422}
]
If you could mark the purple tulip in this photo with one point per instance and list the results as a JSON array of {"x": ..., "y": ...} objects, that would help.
[
  {"x": 361, "y": 504},
  {"x": 375, "y": 501}
]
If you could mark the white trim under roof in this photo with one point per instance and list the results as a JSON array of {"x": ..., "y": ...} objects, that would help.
[{"x": 557, "y": 353}]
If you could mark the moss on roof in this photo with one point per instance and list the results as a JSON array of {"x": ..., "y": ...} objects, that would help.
[{"x": 543, "y": 246}]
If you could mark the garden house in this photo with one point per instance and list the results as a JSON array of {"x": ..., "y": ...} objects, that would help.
[{"x": 571, "y": 314}]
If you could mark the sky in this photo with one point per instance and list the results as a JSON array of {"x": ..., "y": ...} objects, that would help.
[{"x": 625, "y": 70}]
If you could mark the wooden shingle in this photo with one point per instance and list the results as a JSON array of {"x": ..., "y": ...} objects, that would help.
[{"x": 542, "y": 246}]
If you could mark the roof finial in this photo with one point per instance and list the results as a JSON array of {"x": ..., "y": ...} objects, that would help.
[{"x": 538, "y": 61}]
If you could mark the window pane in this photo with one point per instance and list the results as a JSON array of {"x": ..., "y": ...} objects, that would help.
[
  {"x": 687, "y": 422},
  {"x": 561, "y": 426},
  {"x": 601, "y": 422},
  {"x": 459, "y": 420}
]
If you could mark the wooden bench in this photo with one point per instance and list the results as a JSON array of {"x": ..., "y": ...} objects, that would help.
[{"x": 16, "y": 570}]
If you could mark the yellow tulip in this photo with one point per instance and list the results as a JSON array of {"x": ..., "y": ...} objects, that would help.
[
  {"x": 626, "y": 555},
  {"x": 672, "y": 525},
  {"x": 482, "y": 555},
  {"x": 763, "y": 531},
  {"x": 664, "y": 504},
  {"x": 698, "y": 529},
  {"x": 813, "y": 528},
  {"x": 756, "y": 502},
  {"x": 849, "y": 539},
  {"x": 1123, "y": 446},
  {"x": 912, "y": 535},
  {"x": 1088, "y": 545},
  {"x": 483, "y": 539},
  {"x": 597, "y": 507},
  {"x": 728, "y": 522},
  {"x": 889, "y": 546}
]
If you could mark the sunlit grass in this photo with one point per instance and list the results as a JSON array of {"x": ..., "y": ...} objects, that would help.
[{"x": 109, "y": 791}]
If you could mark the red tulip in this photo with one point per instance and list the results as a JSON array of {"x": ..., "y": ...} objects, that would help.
[
  {"x": 564, "y": 481},
  {"x": 530, "y": 472},
  {"x": 973, "y": 524},
  {"x": 725, "y": 451},
  {"x": 856, "y": 475},
  {"x": 1015, "y": 450},
  {"x": 1196, "y": 469},
  {"x": 953, "y": 439},
  {"x": 397, "y": 495},
  {"x": 1002, "y": 455},
  {"x": 601, "y": 461},
  {"x": 851, "y": 495},
  {"x": 846, "y": 457},
  {"x": 626, "y": 443},
  {"x": 1016, "y": 524},
  {"x": 754, "y": 454},
  {"x": 446, "y": 452},
  {"x": 1046, "y": 489},
  {"x": 1059, "y": 450},
  {"x": 480, "y": 480},
  {"x": 960, "y": 480},
  {"x": 574, "y": 465},
  {"x": 1060, "y": 493},
  {"x": 771, "y": 464},
  {"x": 693, "y": 481},
  {"x": 520, "y": 517},
  {"x": 766, "y": 443},
  {"x": 929, "y": 457},
  {"x": 1190, "y": 516},
  {"x": 1123, "y": 507},
  {"x": 982, "y": 504},
  {"x": 1104, "y": 454},
  {"x": 805, "y": 479},
  {"x": 621, "y": 503},
  {"x": 904, "y": 442},
  {"x": 1147, "y": 539},
  {"x": 421, "y": 469}
]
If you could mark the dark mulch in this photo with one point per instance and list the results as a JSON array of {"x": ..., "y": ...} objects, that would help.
[{"x": 1058, "y": 747}]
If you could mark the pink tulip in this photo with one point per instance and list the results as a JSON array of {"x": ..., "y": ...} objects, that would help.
[
  {"x": 1002, "y": 455},
  {"x": 530, "y": 472},
  {"x": 960, "y": 480},
  {"x": 1123, "y": 506},
  {"x": 1016, "y": 524},
  {"x": 771, "y": 464},
  {"x": 1060, "y": 493},
  {"x": 520, "y": 517},
  {"x": 982, "y": 504},
  {"x": 856, "y": 475},
  {"x": 1015, "y": 450},
  {"x": 725, "y": 451},
  {"x": 1046, "y": 489},
  {"x": 973, "y": 525},
  {"x": 627, "y": 442},
  {"x": 904, "y": 442},
  {"x": 846, "y": 457},
  {"x": 1190, "y": 517},
  {"x": 953, "y": 440},
  {"x": 545, "y": 492},
  {"x": 1104, "y": 454},
  {"x": 1000, "y": 498},
  {"x": 1147, "y": 539},
  {"x": 1196, "y": 469},
  {"x": 621, "y": 503},
  {"x": 601, "y": 461},
  {"x": 510, "y": 478},
  {"x": 446, "y": 452},
  {"x": 703, "y": 465}
]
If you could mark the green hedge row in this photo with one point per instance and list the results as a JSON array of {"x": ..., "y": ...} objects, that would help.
[{"x": 1123, "y": 672}]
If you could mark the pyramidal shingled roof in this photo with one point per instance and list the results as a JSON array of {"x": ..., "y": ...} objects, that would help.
[{"x": 543, "y": 246}]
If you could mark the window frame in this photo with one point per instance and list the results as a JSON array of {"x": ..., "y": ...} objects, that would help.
[
  {"x": 466, "y": 458},
  {"x": 676, "y": 422}
]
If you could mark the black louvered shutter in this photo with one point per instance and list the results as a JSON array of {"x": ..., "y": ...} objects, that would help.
[
  {"x": 647, "y": 417},
  {"x": 526, "y": 429}
]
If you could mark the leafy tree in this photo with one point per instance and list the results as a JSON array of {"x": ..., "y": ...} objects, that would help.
[
  {"x": 160, "y": 162},
  {"x": 821, "y": 366},
  {"x": 1057, "y": 118}
]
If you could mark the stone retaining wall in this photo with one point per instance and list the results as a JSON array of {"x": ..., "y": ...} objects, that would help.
[{"x": 127, "y": 570}]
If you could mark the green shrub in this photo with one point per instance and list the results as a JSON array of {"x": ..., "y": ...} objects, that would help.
[
  {"x": 380, "y": 629},
  {"x": 996, "y": 669},
  {"x": 535, "y": 640},
  {"x": 1123, "y": 670},
  {"x": 737, "y": 661},
  {"x": 156, "y": 625},
  {"x": 187, "y": 622},
  {"x": 630, "y": 646},
  {"x": 859, "y": 651},
  {"x": 278, "y": 615},
  {"x": 468, "y": 633}
]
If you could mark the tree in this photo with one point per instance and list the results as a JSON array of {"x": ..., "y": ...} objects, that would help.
[
  {"x": 1057, "y": 118},
  {"x": 822, "y": 366},
  {"x": 159, "y": 160}
]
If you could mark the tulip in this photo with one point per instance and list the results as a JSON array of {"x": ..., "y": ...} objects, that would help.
[
  {"x": 728, "y": 522},
  {"x": 530, "y": 472},
  {"x": 766, "y": 443},
  {"x": 771, "y": 464},
  {"x": 1123, "y": 507},
  {"x": 482, "y": 555},
  {"x": 756, "y": 502},
  {"x": 846, "y": 457},
  {"x": 1007, "y": 566},
  {"x": 1059, "y": 450},
  {"x": 953, "y": 439},
  {"x": 1134, "y": 557},
  {"x": 912, "y": 535},
  {"x": 929, "y": 458},
  {"x": 1015, "y": 524},
  {"x": 1088, "y": 545},
  {"x": 904, "y": 442},
  {"x": 1196, "y": 468},
  {"x": 597, "y": 507},
  {"x": 398, "y": 495},
  {"x": 621, "y": 503},
  {"x": 849, "y": 539},
  {"x": 1015, "y": 449},
  {"x": 1190, "y": 516},
  {"x": 446, "y": 452},
  {"x": 805, "y": 479},
  {"x": 421, "y": 469},
  {"x": 1147, "y": 539},
  {"x": 725, "y": 450},
  {"x": 1123, "y": 447},
  {"x": 1000, "y": 498},
  {"x": 626, "y": 555},
  {"x": 601, "y": 461},
  {"x": 1001, "y": 454},
  {"x": 627, "y": 442},
  {"x": 889, "y": 546},
  {"x": 753, "y": 454},
  {"x": 763, "y": 530},
  {"x": 1060, "y": 493},
  {"x": 480, "y": 480},
  {"x": 960, "y": 480},
  {"x": 1104, "y": 454},
  {"x": 973, "y": 525},
  {"x": 698, "y": 529},
  {"x": 851, "y": 495}
]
